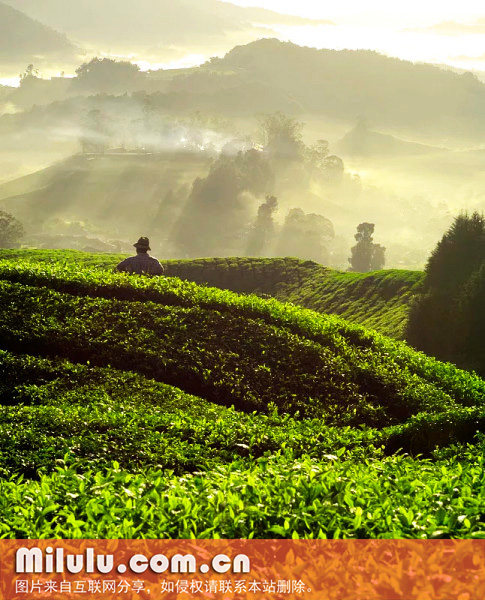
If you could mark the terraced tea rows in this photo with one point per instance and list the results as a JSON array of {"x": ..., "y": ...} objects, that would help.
[
  {"x": 377, "y": 300},
  {"x": 155, "y": 407}
]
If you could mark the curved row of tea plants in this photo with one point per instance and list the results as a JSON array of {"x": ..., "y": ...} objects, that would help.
[
  {"x": 170, "y": 291},
  {"x": 98, "y": 415},
  {"x": 186, "y": 467},
  {"x": 389, "y": 381},
  {"x": 379, "y": 300},
  {"x": 264, "y": 352},
  {"x": 242, "y": 475}
]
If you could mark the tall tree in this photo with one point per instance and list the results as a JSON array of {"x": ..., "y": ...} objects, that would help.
[
  {"x": 262, "y": 231},
  {"x": 458, "y": 254},
  {"x": 316, "y": 154},
  {"x": 30, "y": 73},
  {"x": 282, "y": 136},
  {"x": 11, "y": 230},
  {"x": 215, "y": 218},
  {"x": 107, "y": 75},
  {"x": 470, "y": 323},
  {"x": 366, "y": 256}
]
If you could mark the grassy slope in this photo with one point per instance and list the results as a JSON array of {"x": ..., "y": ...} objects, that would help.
[
  {"x": 186, "y": 466},
  {"x": 377, "y": 300}
]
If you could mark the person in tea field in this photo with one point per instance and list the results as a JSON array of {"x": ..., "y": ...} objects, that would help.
[{"x": 142, "y": 263}]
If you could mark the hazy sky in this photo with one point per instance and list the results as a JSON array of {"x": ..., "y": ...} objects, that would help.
[
  {"x": 412, "y": 11},
  {"x": 437, "y": 31}
]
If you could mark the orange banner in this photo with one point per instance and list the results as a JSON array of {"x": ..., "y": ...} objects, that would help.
[{"x": 242, "y": 569}]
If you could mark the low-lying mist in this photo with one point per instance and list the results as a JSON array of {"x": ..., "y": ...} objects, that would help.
[{"x": 98, "y": 171}]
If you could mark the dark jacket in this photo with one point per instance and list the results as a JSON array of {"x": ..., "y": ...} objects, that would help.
[{"x": 142, "y": 264}]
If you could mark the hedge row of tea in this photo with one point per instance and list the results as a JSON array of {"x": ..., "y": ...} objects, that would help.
[
  {"x": 155, "y": 407},
  {"x": 227, "y": 348},
  {"x": 123, "y": 456},
  {"x": 379, "y": 300},
  {"x": 270, "y": 497},
  {"x": 100, "y": 415}
]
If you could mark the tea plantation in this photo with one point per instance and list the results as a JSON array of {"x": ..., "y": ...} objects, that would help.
[
  {"x": 379, "y": 300},
  {"x": 142, "y": 407}
]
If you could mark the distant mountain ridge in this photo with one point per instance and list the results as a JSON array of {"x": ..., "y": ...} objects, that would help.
[
  {"x": 347, "y": 84},
  {"x": 269, "y": 75},
  {"x": 413, "y": 101},
  {"x": 23, "y": 38},
  {"x": 146, "y": 22}
]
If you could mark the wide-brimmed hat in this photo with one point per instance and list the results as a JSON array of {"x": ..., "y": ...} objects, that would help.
[{"x": 143, "y": 243}]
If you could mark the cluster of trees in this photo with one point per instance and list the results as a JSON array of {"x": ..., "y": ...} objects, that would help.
[
  {"x": 109, "y": 76},
  {"x": 448, "y": 318},
  {"x": 282, "y": 139},
  {"x": 215, "y": 216},
  {"x": 262, "y": 232},
  {"x": 217, "y": 219},
  {"x": 145, "y": 126},
  {"x": 305, "y": 236}
]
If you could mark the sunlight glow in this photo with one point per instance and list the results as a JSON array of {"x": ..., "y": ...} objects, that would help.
[
  {"x": 377, "y": 12},
  {"x": 413, "y": 30},
  {"x": 191, "y": 60},
  {"x": 10, "y": 81}
]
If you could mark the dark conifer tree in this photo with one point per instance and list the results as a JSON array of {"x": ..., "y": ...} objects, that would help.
[
  {"x": 459, "y": 253},
  {"x": 445, "y": 315}
]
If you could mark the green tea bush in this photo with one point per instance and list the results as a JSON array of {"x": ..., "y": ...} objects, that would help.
[
  {"x": 378, "y": 300},
  {"x": 274, "y": 497},
  {"x": 160, "y": 408},
  {"x": 103, "y": 415},
  {"x": 229, "y": 349}
]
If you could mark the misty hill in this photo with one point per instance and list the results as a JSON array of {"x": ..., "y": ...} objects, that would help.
[
  {"x": 421, "y": 101},
  {"x": 477, "y": 73},
  {"x": 346, "y": 84},
  {"x": 120, "y": 193},
  {"x": 151, "y": 24},
  {"x": 25, "y": 39},
  {"x": 362, "y": 141}
]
